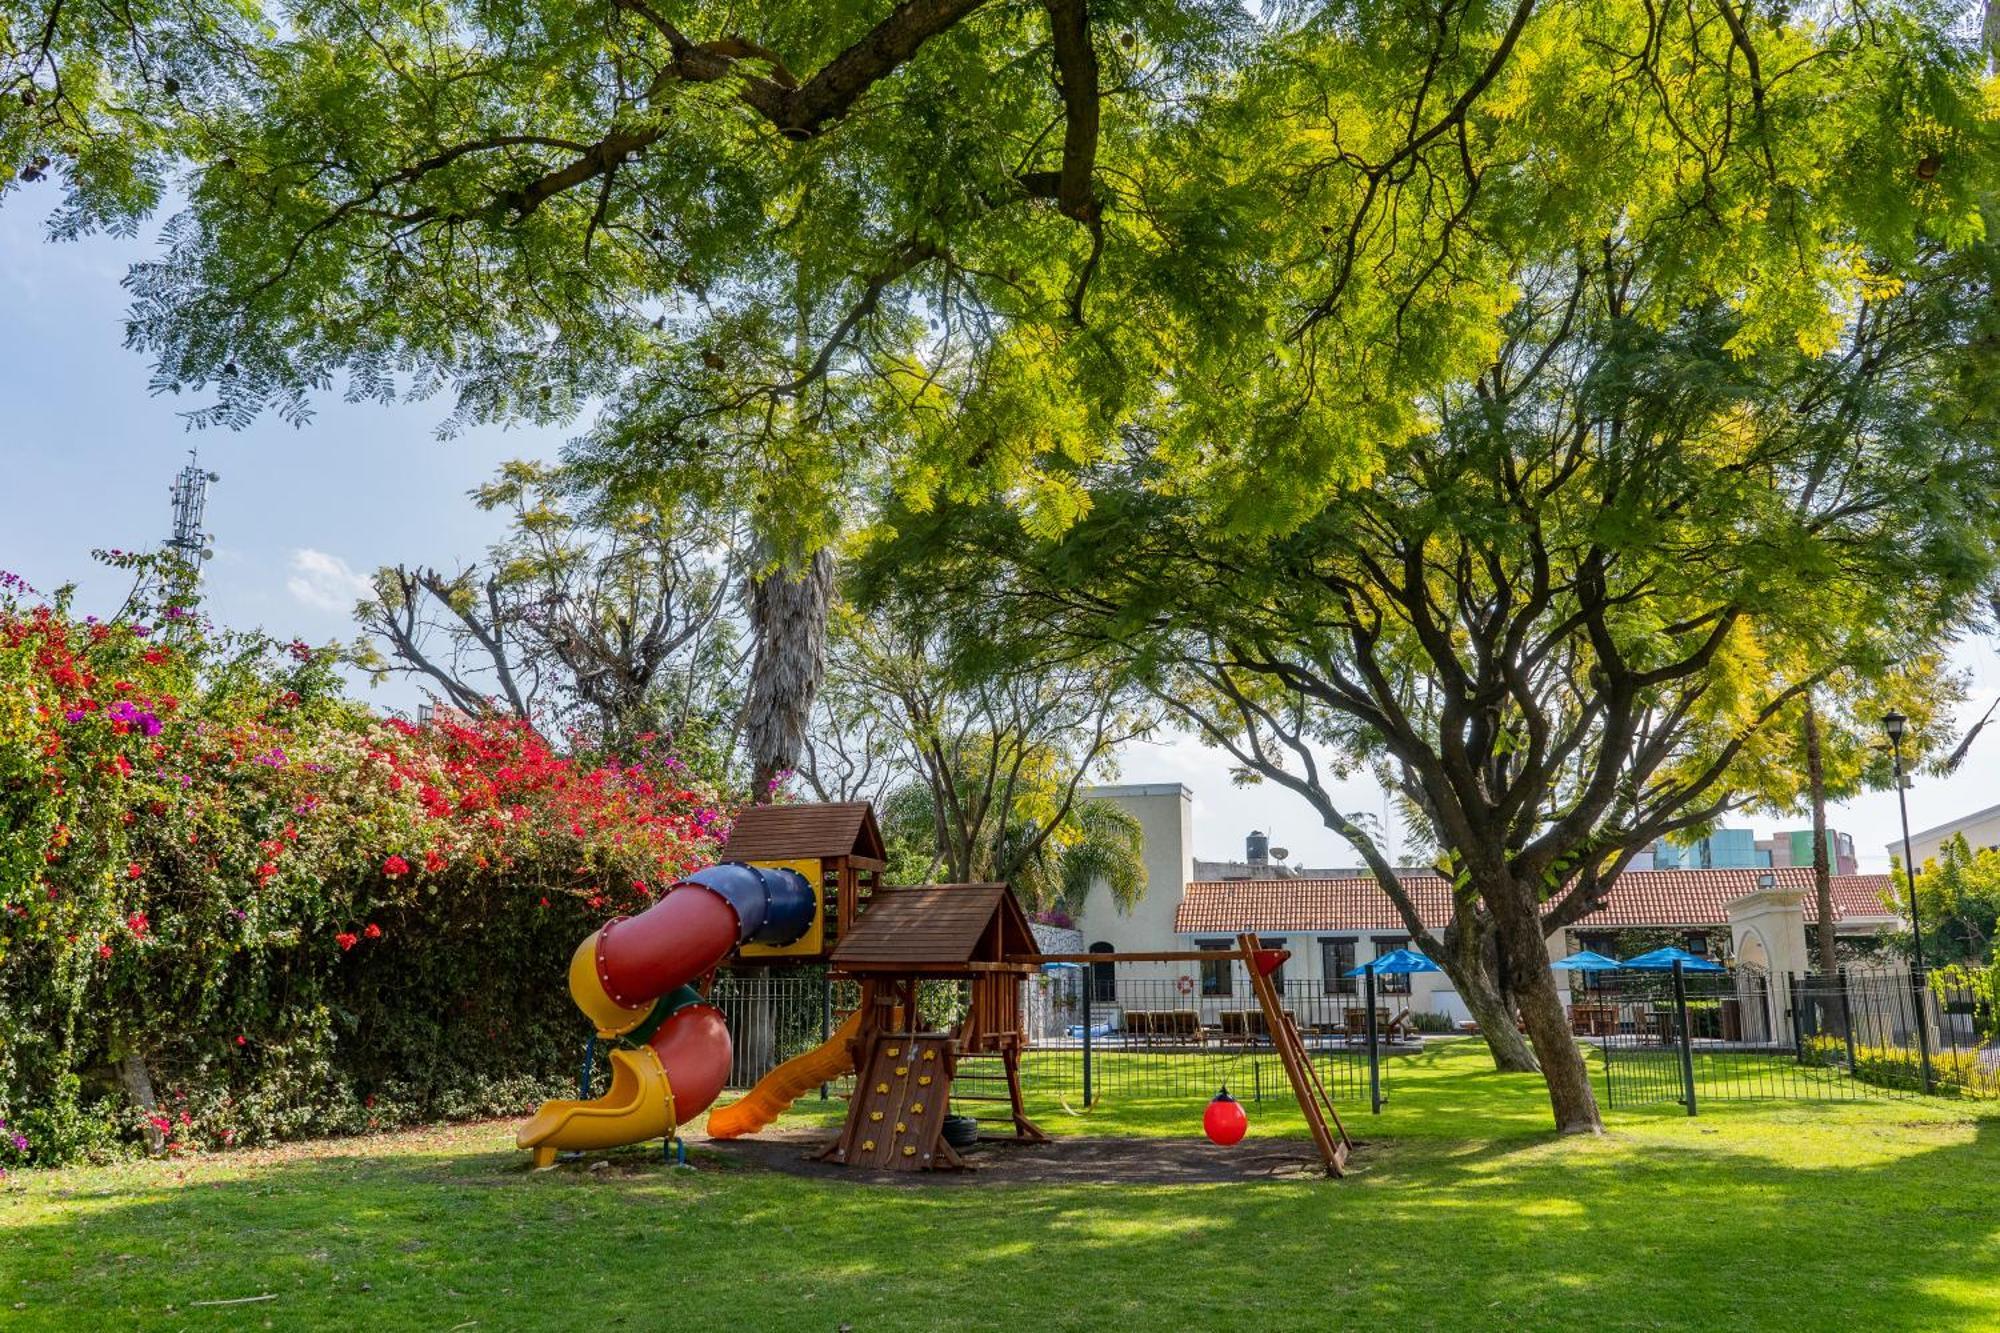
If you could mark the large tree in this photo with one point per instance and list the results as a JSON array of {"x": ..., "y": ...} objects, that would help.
[
  {"x": 1582, "y": 612},
  {"x": 745, "y": 229},
  {"x": 982, "y": 760},
  {"x": 599, "y": 613}
]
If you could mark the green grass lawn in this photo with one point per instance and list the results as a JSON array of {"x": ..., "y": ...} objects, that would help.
[{"x": 1462, "y": 1212}]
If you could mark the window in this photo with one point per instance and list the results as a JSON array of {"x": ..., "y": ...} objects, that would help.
[
  {"x": 1391, "y": 983},
  {"x": 1336, "y": 960},
  {"x": 1103, "y": 978},
  {"x": 1697, "y": 943},
  {"x": 1215, "y": 976}
]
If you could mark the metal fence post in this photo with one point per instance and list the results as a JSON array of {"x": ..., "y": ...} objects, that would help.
[
  {"x": 825, "y": 1016},
  {"x": 1796, "y": 988},
  {"x": 1847, "y": 1017},
  {"x": 1687, "y": 1048},
  {"x": 1605, "y": 1046},
  {"x": 589, "y": 1060},
  {"x": 1089, "y": 985},
  {"x": 1917, "y": 988},
  {"x": 1374, "y": 1051}
]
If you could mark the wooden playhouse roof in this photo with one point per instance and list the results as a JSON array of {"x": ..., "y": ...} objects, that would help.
[
  {"x": 779, "y": 832},
  {"x": 937, "y": 928}
]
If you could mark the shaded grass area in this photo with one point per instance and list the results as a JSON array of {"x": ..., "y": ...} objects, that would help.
[{"x": 1463, "y": 1213}]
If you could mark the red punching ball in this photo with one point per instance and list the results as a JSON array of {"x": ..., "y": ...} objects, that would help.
[{"x": 1224, "y": 1121}]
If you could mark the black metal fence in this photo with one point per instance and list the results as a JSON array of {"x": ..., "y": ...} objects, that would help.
[
  {"x": 1091, "y": 1041},
  {"x": 1106, "y": 1040},
  {"x": 1748, "y": 1035}
]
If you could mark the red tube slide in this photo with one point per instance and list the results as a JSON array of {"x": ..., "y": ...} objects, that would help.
[{"x": 637, "y": 969}]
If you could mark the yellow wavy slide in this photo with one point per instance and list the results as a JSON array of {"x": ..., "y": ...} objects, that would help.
[{"x": 786, "y": 1084}]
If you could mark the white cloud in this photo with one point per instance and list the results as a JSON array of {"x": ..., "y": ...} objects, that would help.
[{"x": 326, "y": 582}]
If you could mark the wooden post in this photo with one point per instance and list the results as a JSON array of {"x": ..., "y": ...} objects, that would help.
[{"x": 1292, "y": 1055}]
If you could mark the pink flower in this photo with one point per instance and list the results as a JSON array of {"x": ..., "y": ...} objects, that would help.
[{"x": 395, "y": 866}]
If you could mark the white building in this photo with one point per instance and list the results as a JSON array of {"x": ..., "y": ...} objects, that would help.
[{"x": 1981, "y": 830}]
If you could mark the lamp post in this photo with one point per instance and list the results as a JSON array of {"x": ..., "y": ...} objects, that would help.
[{"x": 1895, "y": 724}]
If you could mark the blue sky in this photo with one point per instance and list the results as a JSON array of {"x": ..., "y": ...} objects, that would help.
[{"x": 302, "y": 515}]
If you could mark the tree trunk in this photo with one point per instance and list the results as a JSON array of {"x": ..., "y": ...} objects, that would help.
[
  {"x": 138, "y": 1085},
  {"x": 1465, "y": 960},
  {"x": 1518, "y": 924},
  {"x": 1829, "y": 957},
  {"x": 788, "y": 624}
]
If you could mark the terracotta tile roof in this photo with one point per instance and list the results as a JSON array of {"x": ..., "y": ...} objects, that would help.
[{"x": 1639, "y": 898}]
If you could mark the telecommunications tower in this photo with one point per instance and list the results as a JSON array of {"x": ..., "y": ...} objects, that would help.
[{"x": 190, "y": 492}]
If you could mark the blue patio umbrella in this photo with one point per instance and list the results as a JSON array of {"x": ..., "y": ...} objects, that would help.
[
  {"x": 1395, "y": 961},
  {"x": 1663, "y": 960},
  {"x": 1586, "y": 961}
]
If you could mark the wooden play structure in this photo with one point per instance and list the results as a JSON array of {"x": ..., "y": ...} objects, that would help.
[
  {"x": 976, "y": 933},
  {"x": 836, "y": 846},
  {"x": 802, "y": 883}
]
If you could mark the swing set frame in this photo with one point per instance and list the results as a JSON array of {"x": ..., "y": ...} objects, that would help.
[{"x": 1329, "y": 1135}]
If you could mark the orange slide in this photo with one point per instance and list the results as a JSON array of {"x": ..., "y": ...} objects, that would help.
[{"x": 786, "y": 1084}]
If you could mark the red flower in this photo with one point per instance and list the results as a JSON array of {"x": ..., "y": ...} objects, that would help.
[
  {"x": 346, "y": 940},
  {"x": 137, "y": 923},
  {"x": 434, "y": 861},
  {"x": 103, "y": 951},
  {"x": 134, "y": 870},
  {"x": 240, "y": 1041},
  {"x": 372, "y": 932},
  {"x": 395, "y": 866}
]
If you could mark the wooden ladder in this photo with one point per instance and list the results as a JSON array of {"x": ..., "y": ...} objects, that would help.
[{"x": 1314, "y": 1100}]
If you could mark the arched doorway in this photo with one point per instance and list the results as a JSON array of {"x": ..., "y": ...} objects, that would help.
[{"x": 1103, "y": 977}]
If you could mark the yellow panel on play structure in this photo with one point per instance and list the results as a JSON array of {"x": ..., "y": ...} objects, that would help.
[{"x": 813, "y": 942}]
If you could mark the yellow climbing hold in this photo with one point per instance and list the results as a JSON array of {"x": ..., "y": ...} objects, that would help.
[
  {"x": 881, "y": 1087},
  {"x": 902, "y": 1070},
  {"x": 928, "y": 1055},
  {"x": 922, "y": 1082},
  {"x": 895, "y": 1051},
  {"x": 916, "y": 1108},
  {"x": 868, "y": 1145},
  {"x": 874, "y": 1115},
  {"x": 900, "y": 1127},
  {"x": 909, "y": 1151}
]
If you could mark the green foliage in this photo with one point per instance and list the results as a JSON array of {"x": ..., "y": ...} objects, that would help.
[
  {"x": 1958, "y": 898},
  {"x": 1953, "y": 1073},
  {"x": 295, "y": 917},
  {"x": 979, "y": 760}
]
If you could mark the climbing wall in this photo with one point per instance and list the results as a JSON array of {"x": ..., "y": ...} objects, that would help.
[{"x": 896, "y": 1120}]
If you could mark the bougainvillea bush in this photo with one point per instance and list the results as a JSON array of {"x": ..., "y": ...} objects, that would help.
[{"x": 228, "y": 888}]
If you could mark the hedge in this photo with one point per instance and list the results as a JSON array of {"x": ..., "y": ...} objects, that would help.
[{"x": 227, "y": 887}]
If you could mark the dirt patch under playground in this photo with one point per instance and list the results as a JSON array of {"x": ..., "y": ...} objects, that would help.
[{"x": 1066, "y": 1161}]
